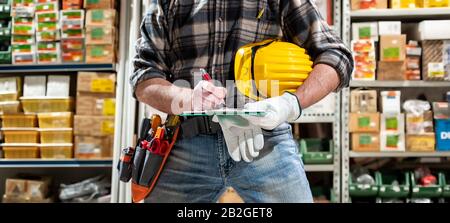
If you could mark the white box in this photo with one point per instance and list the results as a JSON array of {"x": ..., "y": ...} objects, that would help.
[
  {"x": 58, "y": 85},
  {"x": 8, "y": 84},
  {"x": 325, "y": 106},
  {"x": 392, "y": 141},
  {"x": 434, "y": 30},
  {"x": 390, "y": 102},
  {"x": 390, "y": 28},
  {"x": 394, "y": 123},
  {"x": 34, "y": 86},
  {"x": 365, "y": 28}
]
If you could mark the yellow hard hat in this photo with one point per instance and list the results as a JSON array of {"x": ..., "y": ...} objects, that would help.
[{"x": 259, "y": 66}]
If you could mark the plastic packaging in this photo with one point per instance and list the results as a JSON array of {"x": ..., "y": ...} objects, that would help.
[
  {"x": 416, "y": 107},
  {"x": 85, "y": 191}
]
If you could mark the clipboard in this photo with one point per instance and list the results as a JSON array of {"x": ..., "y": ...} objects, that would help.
[{"x": 226, "y": 111}]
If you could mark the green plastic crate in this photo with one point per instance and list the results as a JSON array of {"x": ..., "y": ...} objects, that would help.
[
  {"x": 384, "y": 181},
  {"x": 317, "y": 151},
  {"x": 5, "y": 29},
  {"x": 362, "y": 190},
  {"x": 5, "y": 9},
  {"x": 5, "y": 56},
  {"x": 446, "y": 187},
  {"x": 418, "y": 191}
]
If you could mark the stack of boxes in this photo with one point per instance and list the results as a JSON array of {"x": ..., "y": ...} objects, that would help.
[
  {"x": 420, "y": 135},
  {"x": 100, "y": 31},
  {"x": 26, "y": 190},
  {"x": 364, "y": 122},
  {"x": 392, "y": 132},
  {"x": 47, "y": 18},
  {"x": 72, "y": 28},
  {"x": 365, "y": 60},
  {"x": 5, "y": 32},
  {"x": 94, "y": 120},
  {"x": 23, "y": 32},
  {"x": 396, "y": 4}
]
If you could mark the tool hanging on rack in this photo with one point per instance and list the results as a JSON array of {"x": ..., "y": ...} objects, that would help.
[{"x": 144, "y": 163}]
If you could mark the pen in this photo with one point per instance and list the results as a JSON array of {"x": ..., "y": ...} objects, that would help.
[{"x": 207, "y": 77}]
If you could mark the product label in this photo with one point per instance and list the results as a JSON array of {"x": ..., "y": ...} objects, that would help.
[
  {"x": 97, "y": 52},
  {"x": 392, "y": 141},
  {"x": 436, "y": 70},
  {"x": 363, "y": 122},
  {"x": 107, "y": 127},
  {"x": 391, "y": 53},
  {"x": 391, "y": 123},
  {"x": 109, "y": 106},
  {"x": 97, "y": 15},
  {"x": 102, "y": 85},
  {"x": 97, "y": 33},
  {"x": 365, "y": 140},
  {"x": 364, "y": 33},
  {"x": 93, "y": 1}
]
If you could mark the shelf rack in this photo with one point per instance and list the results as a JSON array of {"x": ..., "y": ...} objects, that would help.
[
  {"x": 36, "y": 68},
  {"x": 40, "y": 163}
]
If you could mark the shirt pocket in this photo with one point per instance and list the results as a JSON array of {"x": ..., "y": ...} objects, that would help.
[{"x": 259, "y": 21}]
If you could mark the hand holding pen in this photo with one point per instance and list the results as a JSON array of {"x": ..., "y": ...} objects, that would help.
[{"x": 206, "y": 96}]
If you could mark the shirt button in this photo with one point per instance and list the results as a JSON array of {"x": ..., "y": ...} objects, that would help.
[{"x": 220, "y": 19}]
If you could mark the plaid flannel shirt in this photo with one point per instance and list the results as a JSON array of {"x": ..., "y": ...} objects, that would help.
[{"x": 180, "y": 36}]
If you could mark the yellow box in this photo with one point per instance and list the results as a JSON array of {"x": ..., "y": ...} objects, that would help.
[
  {"x": 395, "y": 4},
  {"x": 408, "y": 4},
  {"x": 21, "y": 136},
  {"x": 63, "y": 135},
  {"x": 93, "y": 125},
  {"x": 47, "y": 104},
  {"x": 19, "y": 121},
  {"x": 95, "y": 82},
  {"x": 9, "y": 107},
  {"x": 20, "y": 151},
  {"x": 56, "y": 120},
  {"x": 421, "y": 143},
  {"x": 56, "y": 151},
  {"x": 9, "y": 96},
  {"x": 432, "y": 3}
]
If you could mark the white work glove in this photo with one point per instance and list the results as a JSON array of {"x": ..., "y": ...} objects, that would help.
[
  {"x": 279, "y": 110},
  {"x": 244, "y": 140},
  {"x": 207, "y": 96}
]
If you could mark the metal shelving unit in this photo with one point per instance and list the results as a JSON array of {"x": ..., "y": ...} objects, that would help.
[
  {"x": 35, "y": 68},
  {"x": 409, "y": 15},
  {"x": 39, "y": 163},
  {"x": 319, "y": 168}
]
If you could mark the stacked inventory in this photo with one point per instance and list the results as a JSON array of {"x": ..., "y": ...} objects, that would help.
[
  {"x": 94, "y": 120},
  {"x": 34, "y": 190},
  {"x": 72, "y": 26},
  {"x": 392, "y": 122},
  {"x": 47, "y": 19},
  {"x": 100, "y": 31},
  {"x": 10, "y": 89},
  {"x": 23, "y": 32},
  {"x": 420, "y": 136},
  {"x": 5, "y": 32}
]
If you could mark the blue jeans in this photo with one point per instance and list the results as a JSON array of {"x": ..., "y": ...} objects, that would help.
[{"x": 200, "y": 169}]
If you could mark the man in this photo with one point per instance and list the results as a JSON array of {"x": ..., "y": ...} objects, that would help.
[{"x": 256, "y": 156}]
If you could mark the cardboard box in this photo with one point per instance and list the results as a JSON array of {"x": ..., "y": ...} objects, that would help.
[
  {"x": 100, "y": 54},
  {"x": 100, "y": 35},
  {"x": 420, "y": 143},
  {"x": 392, "y": 141},
  {"x": 364, "y": 122},
  {"x": 23, "y": 48},
  {"x": 37, "y": 190},
  {"x": 48, "y": 36},
  {"x": 47, "y": 6},
  {"x": 395, "y": 4},
  {"x": 22, "y": 39},
  {"x": 390, "y": 102},
  {"x": 365, "y": 61},
  {"x": 9, "y": 84},
  {"x": 48, "y": 57},
  {"x": 93, "y": 147},
  {"x": 374, "y": 4},
  {"x": 365, "y": 30},
  {"x": 58, "y": 85},
  {"x": 73, "y": 56},
  {"x": 363, "y": 101},
  {"x": 102, "y": 17},
  {"x": 442, "y": 134},
  {"x": 96, "y": 104},
  {"x": 433, "y": 30},
  {"x": 47, "y": 26},
  {"x": 99, "y": 4},
  {"x": 72, "y": 44},
  {"x": 27, "y": 189},
  {"x": 72, "y": 33},
  {"x": 412, "y": 62},
  {"x": 392, "y": 47},
  {"x": 93, "y": 125},
  {"x": 15, "y": 187},
  {"x": 408, "y": 4},
  {"x": 419, "y": 124},
  {"x": 389, "y": 28},
  {"x": 392, "y": 122},
  {"x": 365, "y": 142},
  {"x": 391, "y": 70},
  {"x": 435, "y": 59},
  {"x": 34, "y": 86},
  {"x": 441, "y": 110},
  {"x": 43, "y": 17},
  {"x": 23, "y": 58},
  {"x": 325, "y": 106},
  {"x": 96, "y": 82},
  {"x": 72, "y": 4}
]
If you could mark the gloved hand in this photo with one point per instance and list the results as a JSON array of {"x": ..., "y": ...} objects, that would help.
[
  {"x": 279, "y": 110},
  {"x": 207, "y": 96},
  {"x": 244, "y": 140}
]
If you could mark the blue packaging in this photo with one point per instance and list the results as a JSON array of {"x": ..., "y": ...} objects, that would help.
[{"x": 442, "y": 134}]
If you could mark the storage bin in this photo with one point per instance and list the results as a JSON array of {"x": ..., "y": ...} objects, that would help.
[
  {"x": 387, "y": 190},
  {"x": 56, "y": 120},
  {"x": 5, "y": 56},
  {"x": 12, "y": 96},
  {"x": 21, "y": 135},
  {"x": 362, "y": 190},
  {"x": 56, "y": 151},
  {"x": 19, "y": 121},
  {"x": 20, "y": 151},
  {"x": 316, "y": 151},
  {"x": 9, "y": 107},
  {"x": 5, "y": 30},
  {"x": 56, "y": 135},
  {"x": 47, "y": 104},
  {"x": 5, "y": 10},
  {"x": 432, "y": 191}
]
